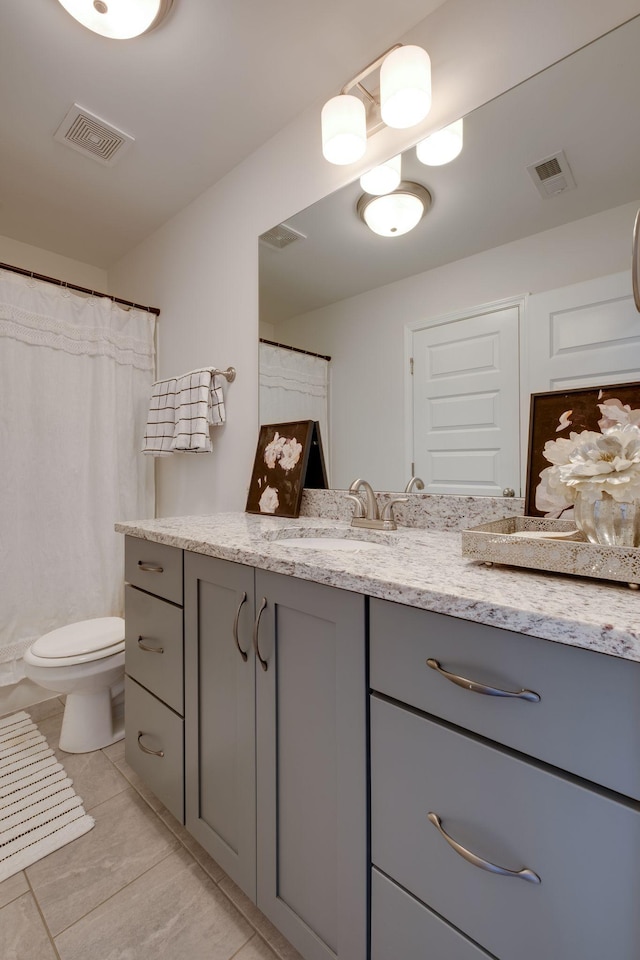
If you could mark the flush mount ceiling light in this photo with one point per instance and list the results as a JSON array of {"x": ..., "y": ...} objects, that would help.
[
  {"x": 383, "y": 178},
  {"x": 441, "y": 147},
  {"x": 403, "y": 99},
  {"x": 118, "y": 19},
  {"x": 395, "y": 213}
]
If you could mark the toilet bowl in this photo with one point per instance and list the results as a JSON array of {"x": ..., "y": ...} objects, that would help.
[{"x": 85, "y": 661}]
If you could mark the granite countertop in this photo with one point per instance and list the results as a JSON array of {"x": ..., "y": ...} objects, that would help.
[{"x": 422, "y": 568}]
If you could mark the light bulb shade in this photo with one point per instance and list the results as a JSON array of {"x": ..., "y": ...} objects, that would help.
[
  {"x": 118, "y": 19},
  {"x": 344, "y": 129},
  {"x": 405, "y": 87},
  {"x": 383, "y": 178},
  {"x": 441, "y": 147},
  {"x": 395, "y": 213}
]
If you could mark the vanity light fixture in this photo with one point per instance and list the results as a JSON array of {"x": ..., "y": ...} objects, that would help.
[
  {"x": 118, "y": 19},
  {"x": 384, "y": 178},
  {"x": 403, "y": 99},
  {"x": 395, "y": 213},
  {"x": 441, "y": 147}
]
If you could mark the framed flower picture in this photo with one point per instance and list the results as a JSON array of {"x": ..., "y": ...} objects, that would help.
[
  {"x": 558, "y": 414},
  {"x": 288, "y": 457}
]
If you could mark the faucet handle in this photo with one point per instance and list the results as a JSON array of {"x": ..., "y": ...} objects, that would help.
[
  {"x": 416, "y": 482},
  {"x": 359, "y": 510},
  {"x": 387, "y": 510}
]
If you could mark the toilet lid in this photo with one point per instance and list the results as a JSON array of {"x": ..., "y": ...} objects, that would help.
[{"x": 76, "y": 639}]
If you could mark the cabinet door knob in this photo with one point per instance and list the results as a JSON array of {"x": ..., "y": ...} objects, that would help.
[
  {"x": 476, "y": 687},
  {"x": 263, "y": 663},
  {"x": 152, "y": 753},
  {"x": 145, "y": 646},
  {"x": 524, "y": 874},
  {"x": 236, "y": 619},
  {"x": 150, "y": 567}
]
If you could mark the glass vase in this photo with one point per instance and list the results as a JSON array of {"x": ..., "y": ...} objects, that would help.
[{"x": 608, "y": 522}]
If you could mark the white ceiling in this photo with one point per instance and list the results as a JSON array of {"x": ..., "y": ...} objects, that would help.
[
  {"x": 586, "y": 105},
  {"x": 201, "y": 92}
]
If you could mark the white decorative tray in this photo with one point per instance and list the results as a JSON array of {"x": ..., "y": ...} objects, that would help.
[{"x": 529, "y": 542}]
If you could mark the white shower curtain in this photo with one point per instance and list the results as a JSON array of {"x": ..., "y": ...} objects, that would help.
[
  {"x": 294, "y": 386},
  {"x": 75, "y": 378}
]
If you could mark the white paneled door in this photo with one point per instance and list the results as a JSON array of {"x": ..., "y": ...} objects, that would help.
[
  {"x": 584, "y": 335},
  {"x": 466, "y": 403}
]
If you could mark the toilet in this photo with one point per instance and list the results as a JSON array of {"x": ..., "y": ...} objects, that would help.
[{"x": 85, "y": 661}]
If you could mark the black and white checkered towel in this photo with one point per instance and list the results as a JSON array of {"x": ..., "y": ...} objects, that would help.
[
  {"x": 200, "y": 404},
  {"x": 161, "y": 420}
]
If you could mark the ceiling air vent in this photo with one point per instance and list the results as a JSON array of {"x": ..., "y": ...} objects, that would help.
[
  {"x": 552, "y": 175},
  {"x": 88, "y": 134},
  {"x": 281, "y": 236}
]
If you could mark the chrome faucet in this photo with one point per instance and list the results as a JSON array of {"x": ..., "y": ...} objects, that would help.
[
  {"x": 366, "y": 513},
  {"x": 414, "y": 482}
]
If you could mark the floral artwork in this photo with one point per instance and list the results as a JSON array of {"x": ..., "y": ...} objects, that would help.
[
  {"x": 284, "y": 451},
  {"x": 584, "y": 442},
  {"x": 280, "y": 467}
]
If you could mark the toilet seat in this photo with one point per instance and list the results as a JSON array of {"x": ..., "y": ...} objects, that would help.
[{"x": 79, "y": 642}]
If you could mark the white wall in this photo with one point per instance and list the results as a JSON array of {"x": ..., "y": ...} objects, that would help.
[
  {"x": 50, "y": 264},
  {"x": 364, "y": 335},
  {"x": 201, "y": 268}
]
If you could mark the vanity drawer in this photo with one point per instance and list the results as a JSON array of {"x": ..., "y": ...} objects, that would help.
[
  {"x": 586, "y": 720},
  {"x": 581, "y": 842},
  {"x": 151, "y": 726},
  {"x": 154, "y": 649},
  {"x": 402, "y": 927},
  {"x": 155, "y": 567}
]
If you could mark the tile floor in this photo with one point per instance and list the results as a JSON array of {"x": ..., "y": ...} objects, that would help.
[{"x": 136, "y": 887}]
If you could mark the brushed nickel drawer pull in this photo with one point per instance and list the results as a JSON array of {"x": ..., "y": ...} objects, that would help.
[
  {"x": 476, "y": 687},
  {"x": 152, "y": 753},
  {"x": 243, "y": 654},
  {"x": 263, "y": 663},
  {"x": 150, "y": 567},
  {"x": 144, "y": 646},
  {"x": 524, "y": 874}
]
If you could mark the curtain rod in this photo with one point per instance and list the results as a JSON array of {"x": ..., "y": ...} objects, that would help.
[
  {"x": 74, "y": 286},
  {"x": 285, "y": 346}
]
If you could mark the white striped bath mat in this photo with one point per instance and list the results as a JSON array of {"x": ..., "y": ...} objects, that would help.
[{"x": 39, "y": 810}]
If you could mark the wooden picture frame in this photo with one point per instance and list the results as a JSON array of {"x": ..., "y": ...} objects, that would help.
[
  {"x": 288, "y": 458},
  {"x": 544, "y": 420}
]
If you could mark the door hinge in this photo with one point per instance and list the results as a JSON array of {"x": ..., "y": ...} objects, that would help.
[{"x": 411, "y": 365}]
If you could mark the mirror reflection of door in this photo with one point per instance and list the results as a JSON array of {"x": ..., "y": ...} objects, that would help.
[{"x": 466, "y": 414}]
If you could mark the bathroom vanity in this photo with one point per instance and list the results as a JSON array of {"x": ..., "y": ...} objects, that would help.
[{"x": 390, "y": 747}]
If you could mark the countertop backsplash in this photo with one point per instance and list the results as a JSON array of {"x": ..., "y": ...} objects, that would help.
[{"x": 426, "y": 511}]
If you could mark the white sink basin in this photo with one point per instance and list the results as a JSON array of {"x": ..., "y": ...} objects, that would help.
[{"x": 327, "y": 543}]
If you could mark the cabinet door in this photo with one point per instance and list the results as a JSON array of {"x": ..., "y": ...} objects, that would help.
[
  {"x": 311, "y": 765},
  {"x": 503, "y": 814},
  {"x": 154, "y": 746},
  {"x": 154, "y": 652},
  {"x": 220, "y": 713}
]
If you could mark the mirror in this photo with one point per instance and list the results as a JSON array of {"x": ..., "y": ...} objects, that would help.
[{"x": 345, "y": 292}]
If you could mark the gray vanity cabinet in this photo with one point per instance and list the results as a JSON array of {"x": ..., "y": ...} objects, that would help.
[
  {"x": 154, "y": 701},
  {"x": 311, "y": 698},
  {"x": 220, "y": 715},
  {"x": 276, "y": 704},
  {"x": 523, "y": 859}
]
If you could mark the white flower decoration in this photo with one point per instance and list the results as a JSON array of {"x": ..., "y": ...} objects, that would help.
[
  {"x": 273, "y": 451},
  {"x": 283, "y": 451},
  {"x": 594, "y": 465},
  {"x": 269, "y": 502},
  {"x": 617, "y": 414},
  {"x": 290, "y": 454}
]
